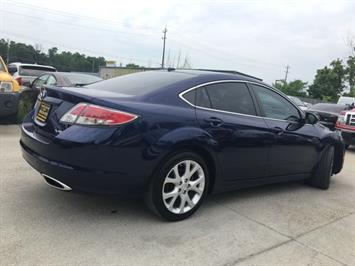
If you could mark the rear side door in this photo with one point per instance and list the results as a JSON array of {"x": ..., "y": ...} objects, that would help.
[
  {"x": 226, "y": 110},
  {"x": 294, "y": 145}
]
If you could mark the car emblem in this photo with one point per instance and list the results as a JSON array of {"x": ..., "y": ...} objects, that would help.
[{"x": 43, "y": 93}]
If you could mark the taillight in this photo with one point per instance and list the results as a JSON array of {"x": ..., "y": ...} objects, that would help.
[
  {"x": 19, "y": 81},
  {"x": 94, "y": 115}
]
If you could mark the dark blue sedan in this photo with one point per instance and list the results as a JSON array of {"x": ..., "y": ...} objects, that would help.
[{"x": 173, "y": 136}]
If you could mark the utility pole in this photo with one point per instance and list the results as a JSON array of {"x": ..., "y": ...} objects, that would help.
[
  {"x": 8, "y": 52},
  {"x": 164, "y": 38},
  {"x": 287, "y": 68}
]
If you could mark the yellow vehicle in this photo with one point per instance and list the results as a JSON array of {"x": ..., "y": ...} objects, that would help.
[{"x": 9, "y": 93}]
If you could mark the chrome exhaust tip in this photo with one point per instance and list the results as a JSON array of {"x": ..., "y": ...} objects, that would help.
[{"x": 52, "y": 182}]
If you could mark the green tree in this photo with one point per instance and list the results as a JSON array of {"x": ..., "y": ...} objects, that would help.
[
  {"x": 63, "y": 61},
  {"x": 131, "y": 65},
  {"x": 329, "y": 82},
  {"x": 350, "y": 75},
  {"x": 293, "y": 88}
]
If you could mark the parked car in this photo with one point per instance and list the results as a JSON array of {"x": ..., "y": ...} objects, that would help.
[
  {"x": 328, "y": 113},
  {"x": 173, "y": 136},
  {"x": 64, "y": 79},
  {"x": 25, "y": 74},
  {"x": 346, "y": 124},
  {"x": 299, "y": 103},
  {"x": 9, "y": 95}
]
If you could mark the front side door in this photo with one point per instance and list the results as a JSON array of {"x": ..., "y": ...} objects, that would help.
[
  {"x": 294, "y": 146},
  {"x": 227, "y": 112}
]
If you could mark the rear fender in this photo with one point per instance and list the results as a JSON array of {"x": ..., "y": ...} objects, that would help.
[{"x": 187, "y": 138}]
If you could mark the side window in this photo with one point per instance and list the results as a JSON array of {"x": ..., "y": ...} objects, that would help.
[
  {"x": 190, "y": 96},
  {"x": 40, "y": 81},
  {"x": 51, "y": 81},
  {"x": 202, "y": 98},
  {"x": 275, "y": 106},
  {"x": 232, "y": 97}
]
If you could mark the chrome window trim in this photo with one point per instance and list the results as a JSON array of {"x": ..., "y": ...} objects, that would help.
[{"x": 236, "y": 81}]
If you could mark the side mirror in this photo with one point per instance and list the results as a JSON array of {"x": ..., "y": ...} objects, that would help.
[
  {"x": 12, "y": 69},
  {"x": 311, "y": 118}
]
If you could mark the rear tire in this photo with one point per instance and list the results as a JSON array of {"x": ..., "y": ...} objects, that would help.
[
  {"x": 178, "y": 188},
  {"x": 321, "y": 177}
]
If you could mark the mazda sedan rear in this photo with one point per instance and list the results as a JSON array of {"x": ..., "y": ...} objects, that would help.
[{"x": 174, "y": 136}]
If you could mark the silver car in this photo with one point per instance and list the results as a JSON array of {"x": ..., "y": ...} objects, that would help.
[{"x": 25, "y": 74}]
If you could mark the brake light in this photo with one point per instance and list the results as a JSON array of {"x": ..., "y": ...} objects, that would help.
[
  {"x": 19, "y": 81},
  {"x": 94, "y": 115}
]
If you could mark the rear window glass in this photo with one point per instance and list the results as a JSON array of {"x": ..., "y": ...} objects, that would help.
[
  {"x": 140, "y": 83},
  {"x": 34, "y": 70},
  {"x": 81, "y": 79}
]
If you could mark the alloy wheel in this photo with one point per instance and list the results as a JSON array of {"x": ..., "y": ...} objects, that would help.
[{"x": 183, "y": 186}]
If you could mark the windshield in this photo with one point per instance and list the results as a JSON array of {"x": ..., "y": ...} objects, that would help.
[
  {"x": 296, "y": 101},
  {"x": 346, "y": 100},
  {"x": 34, "y": 70},
  {"x": 81, "y": 79},
  {"x": 2, "y": 67}
]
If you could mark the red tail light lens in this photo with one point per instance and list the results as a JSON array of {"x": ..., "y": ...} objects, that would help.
[
  {"x": 94, "y": 115},
  {"x": 19, "y": 81}
]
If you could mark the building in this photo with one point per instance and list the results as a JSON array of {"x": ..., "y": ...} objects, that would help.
[{"x": 107, "y": 72}]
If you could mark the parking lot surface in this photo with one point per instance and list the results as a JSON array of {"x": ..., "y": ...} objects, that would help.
[{"x": 286, "y": 224}]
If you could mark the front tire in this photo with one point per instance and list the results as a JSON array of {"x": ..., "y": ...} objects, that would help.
[
  {"x": 321, "y": 177},
  {"x": 178, "y": 188}
]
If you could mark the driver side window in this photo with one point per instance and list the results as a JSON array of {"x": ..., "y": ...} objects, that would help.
[
  {"x": 40, "y": 81},
  {"x": 275, "y": 106}
]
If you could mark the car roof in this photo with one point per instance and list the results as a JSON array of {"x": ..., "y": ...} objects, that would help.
[{"x": 26, "y": 64}]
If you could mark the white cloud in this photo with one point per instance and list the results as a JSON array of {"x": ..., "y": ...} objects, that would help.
[{"x": 258, "y": 37}]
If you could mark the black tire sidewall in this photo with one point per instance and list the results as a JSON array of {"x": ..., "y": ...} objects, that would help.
[
  {"x": 321, "y": 178},
  {"x": 158, "y": 181}
]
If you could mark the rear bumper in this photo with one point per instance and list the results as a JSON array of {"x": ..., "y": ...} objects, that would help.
[
  {"x": 8, "y": 104},
  {"x": 93, "y": 178}
]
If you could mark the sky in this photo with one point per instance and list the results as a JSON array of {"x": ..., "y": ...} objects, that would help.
[{"x": 259, "y": 38}]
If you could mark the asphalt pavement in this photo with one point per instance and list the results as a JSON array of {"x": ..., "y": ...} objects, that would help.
[{"x": 286, "y": 224}]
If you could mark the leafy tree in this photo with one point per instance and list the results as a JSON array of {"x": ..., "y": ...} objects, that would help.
[
  {"x": 329, "y": 82},
  {"x": 131, "y": 65},
  {"x": 350, "y": 75},
  {"x": 293, "y": 88},
  {"x": 64, "y": 61}
]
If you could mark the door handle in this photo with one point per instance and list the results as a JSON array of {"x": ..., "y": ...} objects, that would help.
[
  {"x": 214, "y": 121},
  {"x": 278, "y": 130}
]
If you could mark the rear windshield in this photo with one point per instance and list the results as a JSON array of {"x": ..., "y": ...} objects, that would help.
[
  {"x": 34, "y": 70},
  {"x": 334, "y": 108},
  {"x": 81, "y": 79},
  {"x": 140, "y": 83}
]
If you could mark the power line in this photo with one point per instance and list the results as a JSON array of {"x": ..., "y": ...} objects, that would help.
[{"x": 164, "y": 39}]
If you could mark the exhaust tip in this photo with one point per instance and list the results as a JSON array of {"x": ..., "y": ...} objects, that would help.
[{"x": 52, "y": 182}]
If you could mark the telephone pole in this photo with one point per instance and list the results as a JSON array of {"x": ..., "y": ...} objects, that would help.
[
  {"x": 8, "y": 52},
  {"x": 287, "y": 68},
  {"x": 164, "y": 38}
]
